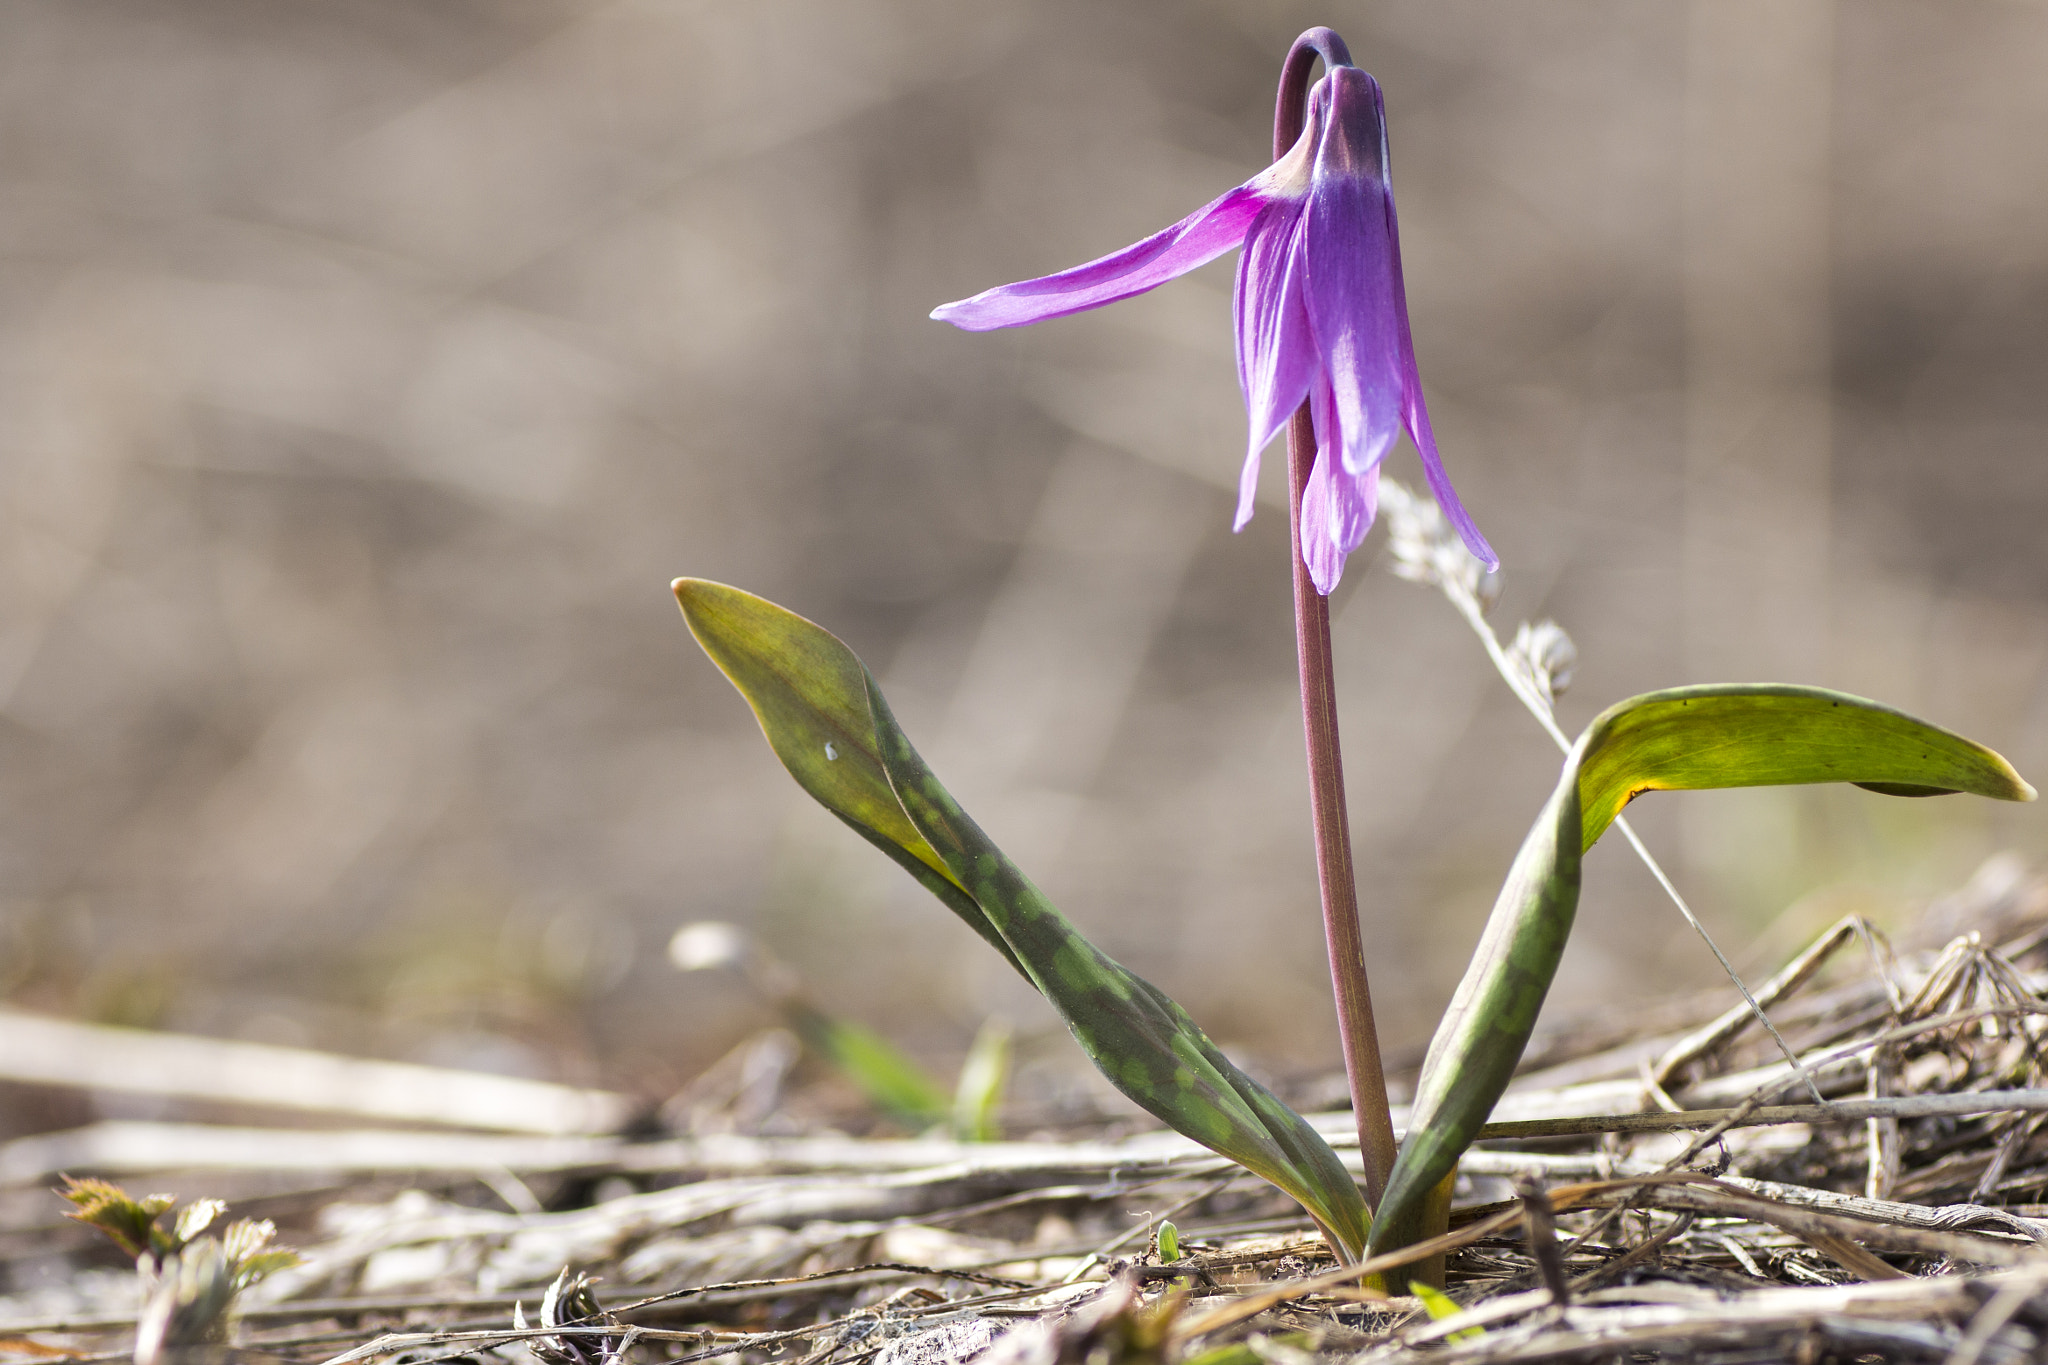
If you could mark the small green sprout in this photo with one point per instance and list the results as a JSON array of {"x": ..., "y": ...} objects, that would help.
[
  {"x": 136, "y": 1226},
  {"x": 1440, "y": 1306},
  {"x": 129, "y": 1222},
  {"x": 1168, "y": 1242},
  {"x": 978, "y": 1091},
  {"x": 889, "y": 1078},
  {"x": 190, "y": 1279}
]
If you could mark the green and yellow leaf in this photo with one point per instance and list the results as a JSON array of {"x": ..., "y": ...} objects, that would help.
[{"x": 1685, "y": 738}]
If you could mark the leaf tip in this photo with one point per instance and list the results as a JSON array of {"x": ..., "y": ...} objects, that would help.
[
  {"x": 2017, "y": 788},
  {"x": 696, "y": 596}
]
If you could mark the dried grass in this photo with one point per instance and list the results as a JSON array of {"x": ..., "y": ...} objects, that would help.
[{"x": 1899, "y": 1221}]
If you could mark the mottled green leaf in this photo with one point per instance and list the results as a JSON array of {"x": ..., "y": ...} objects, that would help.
[
  {"x": 1685, "y": 738},
  {"x": 1690, "y": 738},
  {"x": 809, "y": 690}
]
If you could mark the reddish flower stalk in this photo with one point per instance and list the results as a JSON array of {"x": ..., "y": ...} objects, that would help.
[
  {"x": 1356, "y": 1030},
  {"x": 1323, "y": 349}
]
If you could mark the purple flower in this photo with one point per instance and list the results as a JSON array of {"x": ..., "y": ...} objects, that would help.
[{"x": 1321, "y": 314}]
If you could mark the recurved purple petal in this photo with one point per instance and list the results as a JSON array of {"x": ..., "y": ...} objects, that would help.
[
  {"x": 1199, "y": 238},
  {"x": 1276, "y": 353},
  {"x": 1352, "y": 285},
  {"x": 1337, "y": 507},
  {"x": 1336, "y": 510},
  {"x": 1415, "y": 413}
]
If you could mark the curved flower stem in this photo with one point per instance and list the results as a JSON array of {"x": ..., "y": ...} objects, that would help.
[
  {"x": 1355, "y": 1027},
  {"x": 1291, "y": 109}
]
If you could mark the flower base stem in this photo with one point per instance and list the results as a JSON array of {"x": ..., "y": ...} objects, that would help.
[{"x": 1355, "y": 1027}]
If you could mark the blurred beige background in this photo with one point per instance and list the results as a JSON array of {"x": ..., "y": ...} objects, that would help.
[{"x": 368, "y": 367}]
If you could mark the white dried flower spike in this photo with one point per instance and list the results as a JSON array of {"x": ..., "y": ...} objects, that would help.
[
  {"x": 1537, "y": 667},
  {"x": 1427, "y": 549},
  {"x": 1546, "y": 656},
  {"x": 1485, "y": 584},
  {"x": 1409, "y": 533}
]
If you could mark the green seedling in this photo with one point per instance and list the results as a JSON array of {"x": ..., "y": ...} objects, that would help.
[
  {"x": 189, "y": 1279},
  {"x": 890, "y": 1079},
  {"x": 1167, "y": 1242},
  {"x": 978, "y": 1091},
  {"x": 1442, "y": 1307},
  {"x": 137, "y": 1227}
]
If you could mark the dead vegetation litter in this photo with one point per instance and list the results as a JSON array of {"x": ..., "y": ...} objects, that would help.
[{"x": 1676, "y": 1197}]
